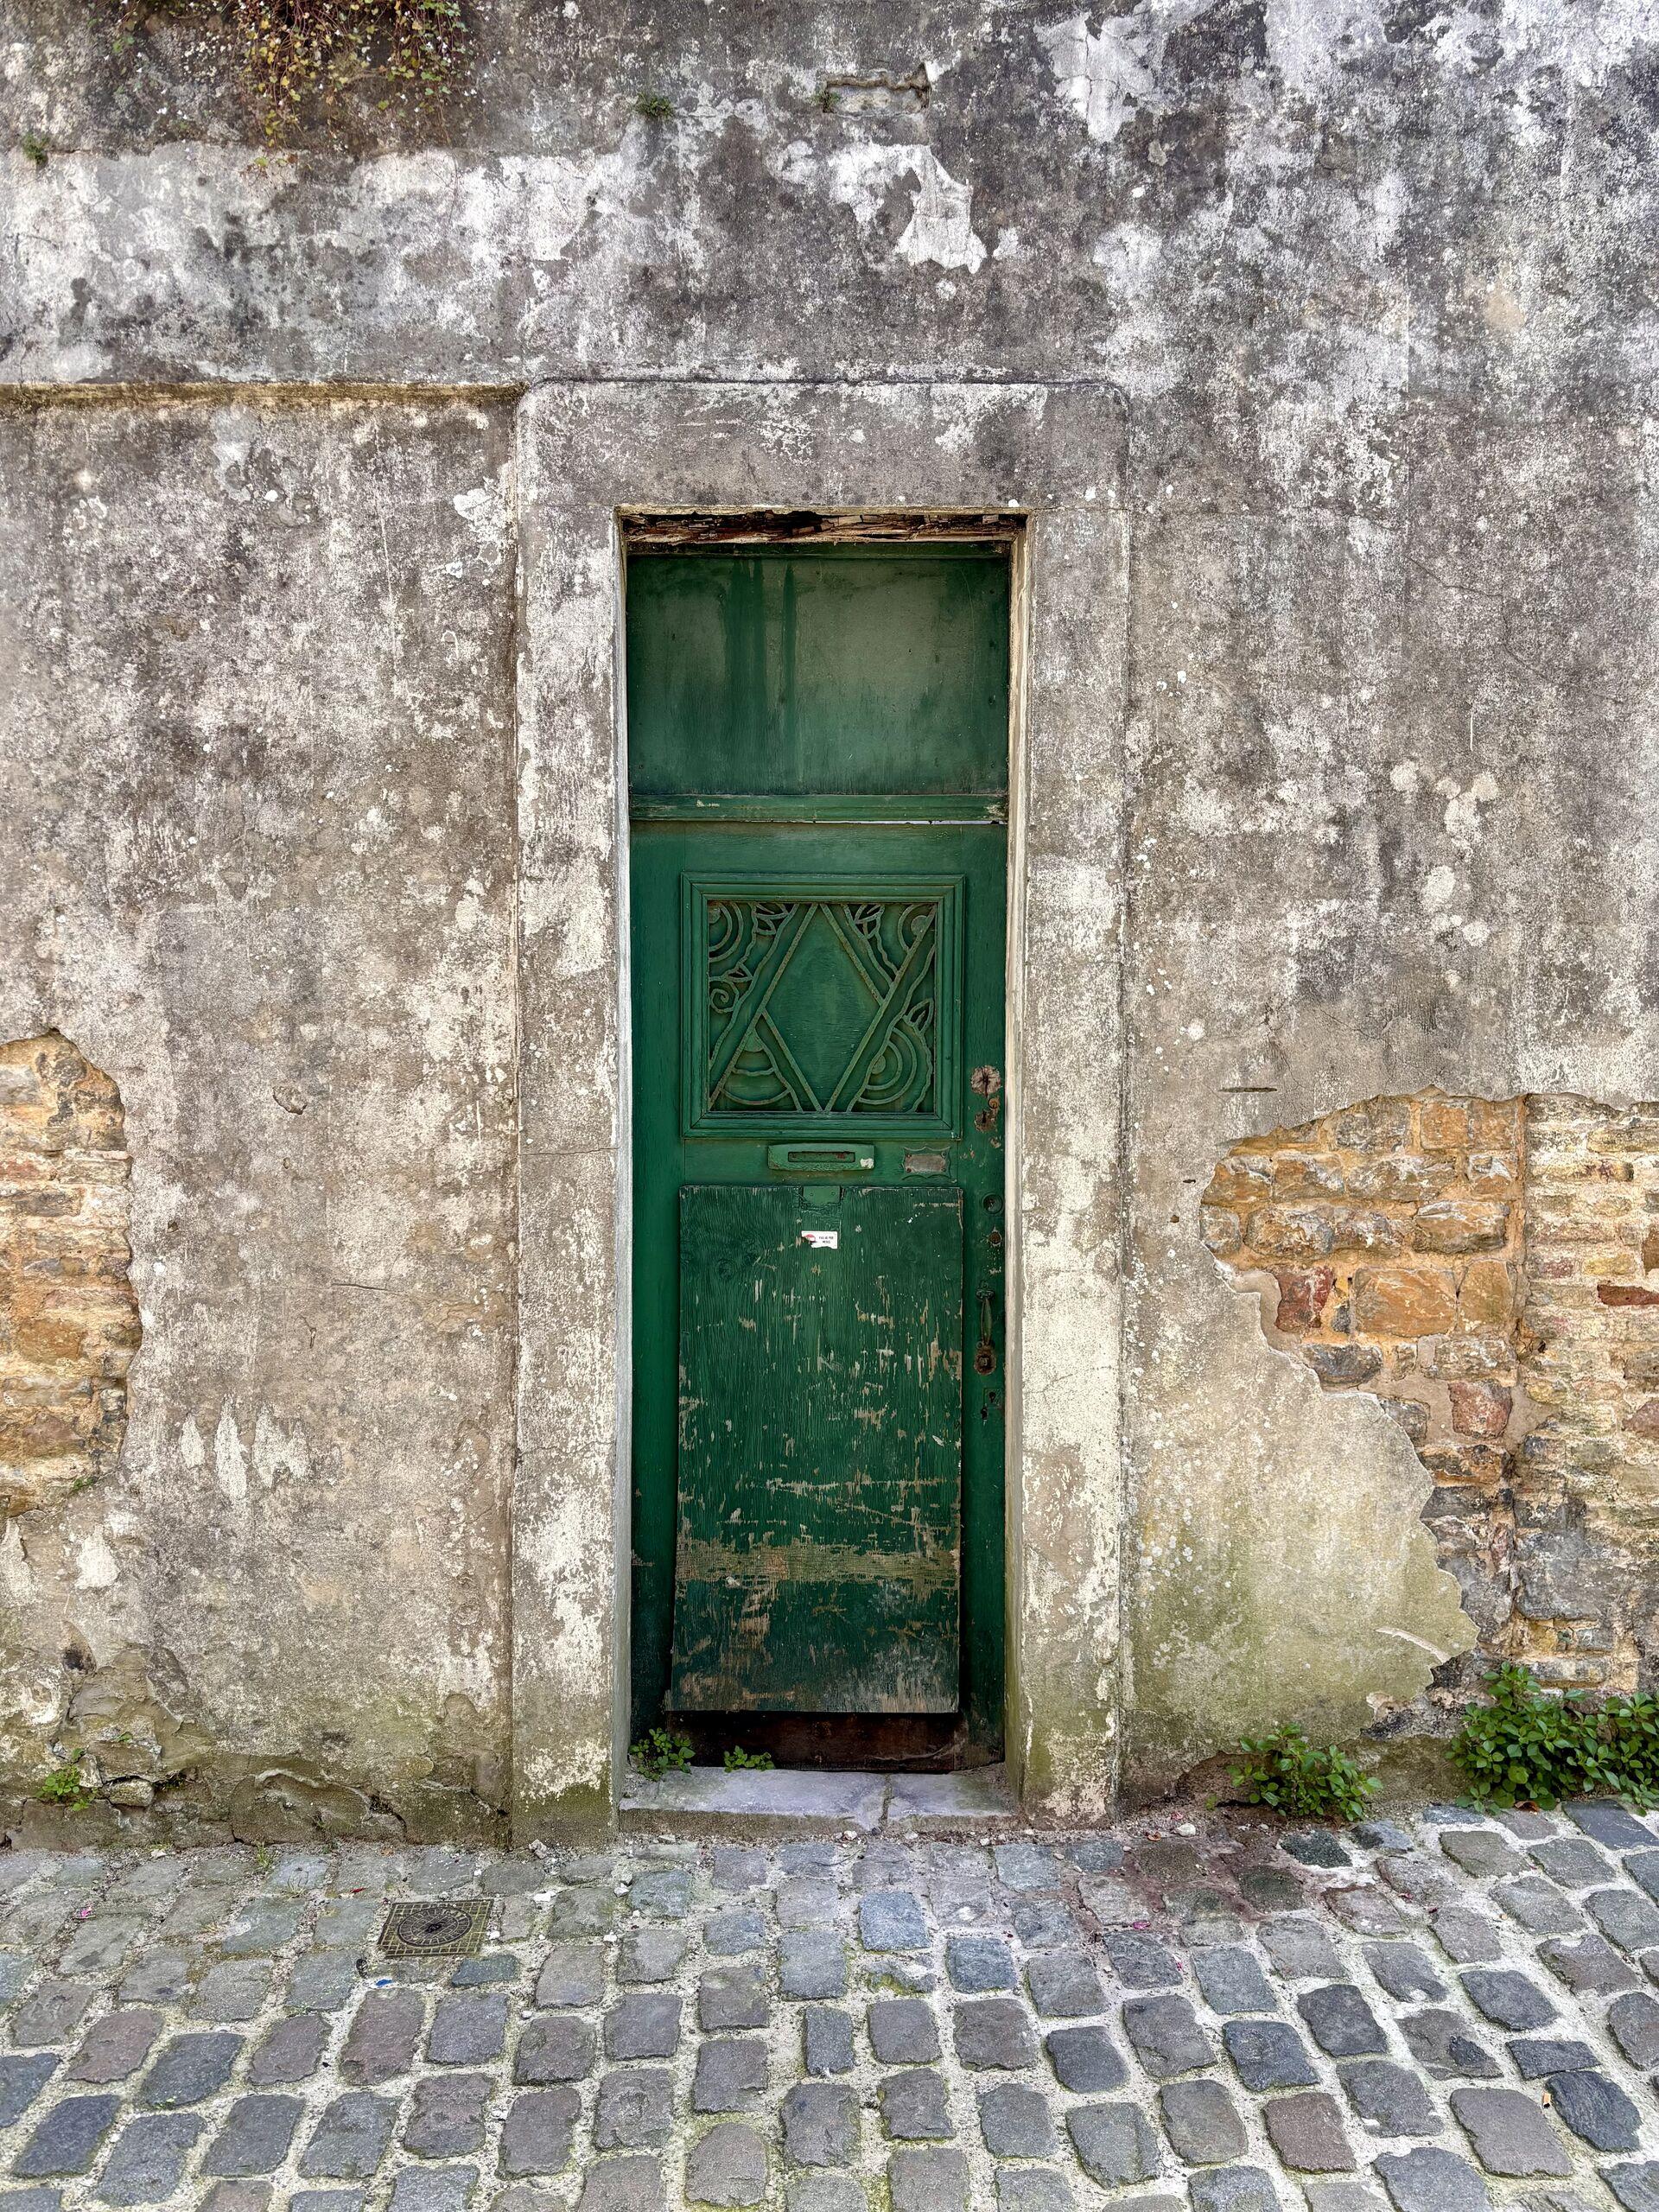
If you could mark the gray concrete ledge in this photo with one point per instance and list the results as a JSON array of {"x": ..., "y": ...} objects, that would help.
[{"x": 707, "y": 1801}]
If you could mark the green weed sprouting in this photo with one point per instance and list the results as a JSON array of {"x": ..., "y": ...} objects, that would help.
[
  {"x": 1532, "y": 1746},
  {"x": 661, "y": 1751},
  {"x": 738, "y": 1761},
  {"x": 1289, "y": 1775},
  {"x": 291, "y": 52},
  {"x": 64, "y": 1786}
]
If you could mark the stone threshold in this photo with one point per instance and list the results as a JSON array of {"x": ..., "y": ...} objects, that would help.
[{"x": 808, "y": 1801}]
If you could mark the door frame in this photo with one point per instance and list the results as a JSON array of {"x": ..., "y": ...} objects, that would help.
[{"x": 599, "y": 468}]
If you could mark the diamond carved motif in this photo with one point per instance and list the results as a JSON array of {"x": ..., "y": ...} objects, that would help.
[{"x": 822, "y": 1003}]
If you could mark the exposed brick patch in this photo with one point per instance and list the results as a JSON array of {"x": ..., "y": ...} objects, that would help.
[
  {"x": 1490, "y": 1270},
  {"x": 1587, "y": 1477},
  {"x": 68, "y": 1319}
]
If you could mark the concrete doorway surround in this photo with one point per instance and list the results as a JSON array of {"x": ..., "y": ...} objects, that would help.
[{"x": 588, "y": 456}]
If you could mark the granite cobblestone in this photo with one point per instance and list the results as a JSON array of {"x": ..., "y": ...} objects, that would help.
[{"x": 1418, "y": 2015}]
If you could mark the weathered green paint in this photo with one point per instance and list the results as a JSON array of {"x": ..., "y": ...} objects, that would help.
[
  {"x": 820, "y": 806},
  {"x": 839, "y": 670},
  {"x": 835, "y": 980},
  {"x": 820, "y": 1450}
]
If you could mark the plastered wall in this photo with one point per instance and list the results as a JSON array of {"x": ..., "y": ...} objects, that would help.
[
  {"x": 256, "y": 747},
  {"x": 1351, "y": 748}
]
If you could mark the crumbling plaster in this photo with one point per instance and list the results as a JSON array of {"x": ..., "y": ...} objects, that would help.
[
  {"x": 1388, "y": 829},
  {"x": 1347, "y": 308},
  {"x": 68, "y": 1317},
  {"x": 256, "y": 755}
]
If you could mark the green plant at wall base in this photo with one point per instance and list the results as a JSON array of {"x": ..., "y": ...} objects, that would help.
[
  {"x": 64, "y": 1786},
  {"x": 1631, "y": 1727},
  {"x": 35, "y": 148},
  {"x": 738, "y": 1760},
  {"x": 1528, "y": 1746},
  {"x": 1291, "y": 1776},
  {"x": 654, "y": 107},
  {"x": 659, "y": 1751},
  {"x": 293, "y": 52}
]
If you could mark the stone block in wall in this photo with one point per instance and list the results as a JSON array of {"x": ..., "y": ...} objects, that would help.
[
  {"x": 1307, "y": 1175},
  {"x": 1443, "y": 1124},
  {"x": 1221, "y": 1230},
  {"x": 1401, "y": 1176},
  {"x": 1303, "y": 1294},
  {"x": 1635, "y": 1132},
  {"x": 1291, "y": 1232},
  {"x": 1460, "y": 1225},
  {"x": 1486, "y": 1295},
  {"x": 1560, "y": 1574},
  {"x": 1403, "y": 1302},
  {"x": 1379, "y": 1125},
  {"x": 1483, "y": 1354},
  {"x": 1491, "y": 1171},
  {"x": 1478, "y": 1466},
  {"x": 1240, "y": 1179},
  {"x": 1480, "y": 1408},
  {"x": 1364, "y": 1229},
  {"x": 1344, "y": 1366},
  {"x": 1412, "y": 1416}
]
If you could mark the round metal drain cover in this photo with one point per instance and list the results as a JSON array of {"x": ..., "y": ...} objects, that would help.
[{"x": 434, "y": 1928}]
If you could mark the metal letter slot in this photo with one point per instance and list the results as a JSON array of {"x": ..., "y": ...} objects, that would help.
[{"x": 820, "y": 1159}]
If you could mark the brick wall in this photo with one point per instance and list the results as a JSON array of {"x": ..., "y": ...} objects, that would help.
[
  {"x": 1490, "y": 1270},
  {"x": 68, "y": 1319},
  {"x": 1586, "y": 1490}
]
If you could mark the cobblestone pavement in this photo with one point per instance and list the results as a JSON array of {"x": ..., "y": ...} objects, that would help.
[{"x": 1433, "y": 2016}]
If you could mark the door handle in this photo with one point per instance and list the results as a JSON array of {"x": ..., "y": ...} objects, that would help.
[{"x": 985, "y": 1351}]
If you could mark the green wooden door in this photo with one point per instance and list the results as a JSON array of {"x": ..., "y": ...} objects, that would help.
[{"x": 819, "y": 745}]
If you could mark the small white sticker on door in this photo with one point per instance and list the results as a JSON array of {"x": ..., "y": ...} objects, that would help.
[{"x": 822, "y": 1240}]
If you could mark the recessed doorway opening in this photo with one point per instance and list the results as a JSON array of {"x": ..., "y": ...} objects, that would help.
[{"x": 819, "y": 739}]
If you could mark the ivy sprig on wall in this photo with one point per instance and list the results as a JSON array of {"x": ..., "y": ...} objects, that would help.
[{"x": 294, "y": 54}]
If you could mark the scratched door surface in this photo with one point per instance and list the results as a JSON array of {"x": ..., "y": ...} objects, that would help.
[
  {"x": 818, "y": 745},
  {"x": 817, "y": 1562}
]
